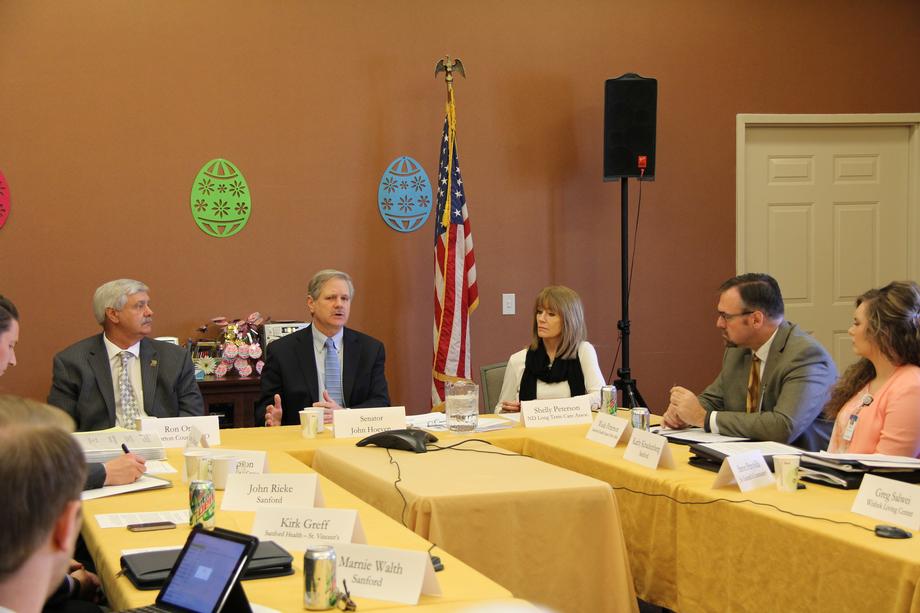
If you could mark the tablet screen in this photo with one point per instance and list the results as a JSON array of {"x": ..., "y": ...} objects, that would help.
[{"x": 204, "y": 574}]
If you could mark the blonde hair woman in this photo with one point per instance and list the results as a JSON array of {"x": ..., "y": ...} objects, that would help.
[{"x": 560, "y": 362}]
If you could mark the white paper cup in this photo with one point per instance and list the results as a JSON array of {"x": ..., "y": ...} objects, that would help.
[
  {"x": 308, "y": 423},
  {"x": 320, "y": 417},
  {"x": 787, "y": 472},
  {"x": 222, "y": 466},
  {"x": 193, "y": 463}
]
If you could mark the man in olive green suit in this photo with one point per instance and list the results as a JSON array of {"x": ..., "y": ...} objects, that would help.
[{"x": 778, "y": 400}]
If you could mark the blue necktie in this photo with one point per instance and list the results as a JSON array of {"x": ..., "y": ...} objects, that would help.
[{"x": 333, "y": 373}]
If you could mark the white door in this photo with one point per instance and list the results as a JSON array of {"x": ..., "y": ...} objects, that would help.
[{"x": 825, "y": 210}]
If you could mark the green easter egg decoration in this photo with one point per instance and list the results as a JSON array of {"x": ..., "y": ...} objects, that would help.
[{"x": 221, "y": 202}]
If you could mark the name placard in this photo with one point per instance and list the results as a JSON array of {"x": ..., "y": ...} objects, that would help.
[
  {"x": 250, "y": 462},
  {"x": 297, "y": 528},
  {"x": 254, "y": 492},
  {"x": 382, "y": 573},
  {"x": 174, "y": 431},
  {"x": 889, "y": 501},
  {"x": 364, "y": 422},
  {"x": 558, "y": 412},
  {"x": 749, "y": 470},
  {"x": 649, "y": 450},
  {"x": 608, "y": 429}
]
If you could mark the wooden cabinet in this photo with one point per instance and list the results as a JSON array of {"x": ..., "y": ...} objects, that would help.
[{"x": 232, "y": 399}]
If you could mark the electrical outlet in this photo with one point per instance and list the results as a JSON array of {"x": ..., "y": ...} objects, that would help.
[{"x": 507, "y": 304}]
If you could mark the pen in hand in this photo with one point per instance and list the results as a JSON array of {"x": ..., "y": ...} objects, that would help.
[{"x": 125, "y": 448}]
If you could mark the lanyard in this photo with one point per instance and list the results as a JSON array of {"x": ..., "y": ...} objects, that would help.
[{"x": 854, "y": 417}]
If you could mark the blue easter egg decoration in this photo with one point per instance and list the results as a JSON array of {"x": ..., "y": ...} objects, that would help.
[
  {"x": 404, "y": 195},
  {"x": 221, "y": 202}
]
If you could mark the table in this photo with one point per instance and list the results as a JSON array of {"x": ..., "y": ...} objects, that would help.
[
  {"x": 552, "y": 536},
  {"x": 460, "y": 584},
  {"x": 718, "y": 556},
  {"x": 725, "y": 556}
]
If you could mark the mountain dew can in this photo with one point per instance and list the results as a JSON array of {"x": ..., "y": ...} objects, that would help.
[{"x": 202, "y": 504}]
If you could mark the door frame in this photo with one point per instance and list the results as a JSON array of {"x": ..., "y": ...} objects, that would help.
[{"x": 909, "y": 120}]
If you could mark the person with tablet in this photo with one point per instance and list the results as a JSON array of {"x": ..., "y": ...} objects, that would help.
[
  {"x": 559, "y": 362},
  {"x": 876, "y": 404},
  {"x": 41, "y": 476},
  {"x": 206, "y": 576}
]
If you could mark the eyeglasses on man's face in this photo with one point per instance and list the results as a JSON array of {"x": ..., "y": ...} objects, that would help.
[{"x": 727, "y": 317}]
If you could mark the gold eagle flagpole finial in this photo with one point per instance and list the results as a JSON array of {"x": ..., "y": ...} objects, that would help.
[{"x": 448, "y": 66}]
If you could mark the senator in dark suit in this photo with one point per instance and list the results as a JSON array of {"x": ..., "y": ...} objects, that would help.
[
  {"x": 120, "y": 375},
  {"x": 776, "y": 397},
  {"x": 326, "y": 364}
]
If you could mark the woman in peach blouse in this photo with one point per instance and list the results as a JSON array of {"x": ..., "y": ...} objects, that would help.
[{"x": 876, "y": 405}]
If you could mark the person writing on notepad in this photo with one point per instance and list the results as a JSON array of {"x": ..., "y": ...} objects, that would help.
[
  {"x": 876, "y": 404},
  {"x": 560, "y": 362},
  {"x": 123, "y": 469}
]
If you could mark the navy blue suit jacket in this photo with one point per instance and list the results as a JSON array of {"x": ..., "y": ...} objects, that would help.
[{"x": 290, "y": 370}]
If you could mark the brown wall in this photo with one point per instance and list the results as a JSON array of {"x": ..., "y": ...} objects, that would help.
[{"x": 109, "y": 108}]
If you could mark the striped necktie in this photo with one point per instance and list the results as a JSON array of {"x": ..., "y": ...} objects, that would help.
[
  {"x": 753, "y": 395},
  {"x": 333, "y": 373},
  {"x": 129, "y": 413}
]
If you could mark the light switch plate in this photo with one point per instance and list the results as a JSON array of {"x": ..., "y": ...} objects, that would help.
[{"x": 507, "y": 304}]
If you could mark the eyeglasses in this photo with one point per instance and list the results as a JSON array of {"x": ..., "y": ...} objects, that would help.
[{"x": 727, "y": 317}]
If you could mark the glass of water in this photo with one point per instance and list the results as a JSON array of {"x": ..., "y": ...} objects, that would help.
[{"x": 462, "y": 406}]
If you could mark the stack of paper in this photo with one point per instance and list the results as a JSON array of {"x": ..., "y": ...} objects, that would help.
[
  {"x": 875, "y": 462},
  {"x": 101, "y": 447},
  {"x": 694, "y": 435}
]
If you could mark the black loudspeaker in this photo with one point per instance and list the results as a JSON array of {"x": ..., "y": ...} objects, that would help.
[{"x": 630, "y": 113}]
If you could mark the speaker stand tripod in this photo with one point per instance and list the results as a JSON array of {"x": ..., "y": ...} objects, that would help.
[{"x": 625, "y": 383}]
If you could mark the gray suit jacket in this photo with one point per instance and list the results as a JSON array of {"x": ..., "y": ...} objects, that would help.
[
  {"x": 796, "y": 384},
  {"x": 82, "y": 383}
]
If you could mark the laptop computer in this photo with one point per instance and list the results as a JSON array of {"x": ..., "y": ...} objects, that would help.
[{"x": 206, "y": 576}]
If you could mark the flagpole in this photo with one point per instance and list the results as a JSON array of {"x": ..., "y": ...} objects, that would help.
[{"x": 456, "y": 292}]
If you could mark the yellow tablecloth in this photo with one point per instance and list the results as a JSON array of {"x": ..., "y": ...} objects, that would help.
[
  {"x": 461, "y": 585},
  {"x": 550, "y": 535},
  {"x": 725, "y": 556}
]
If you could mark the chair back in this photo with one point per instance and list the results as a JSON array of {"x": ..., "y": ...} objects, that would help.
[{"x": 490, "y": 381}]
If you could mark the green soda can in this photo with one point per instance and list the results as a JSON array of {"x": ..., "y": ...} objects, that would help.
[{"x": 202, "y": 504}]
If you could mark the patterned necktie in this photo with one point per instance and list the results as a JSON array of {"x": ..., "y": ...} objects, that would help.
[
  {"x": 333, "y": 373},
  {"x": 126, "y": 393},
  {"x": 753, "y": 389}
]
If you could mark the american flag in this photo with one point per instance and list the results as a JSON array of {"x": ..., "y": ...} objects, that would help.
[{"x": 455, "y": 292}]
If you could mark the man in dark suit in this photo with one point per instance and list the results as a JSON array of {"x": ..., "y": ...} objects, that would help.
[
  {"x": 119, "y": 376},
  {"x": 775, "y": 377},
  {"x": 325, "y": 364}
]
